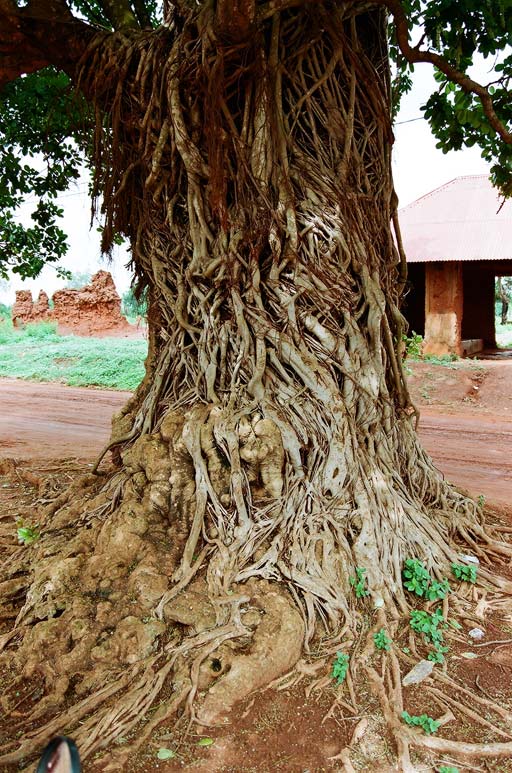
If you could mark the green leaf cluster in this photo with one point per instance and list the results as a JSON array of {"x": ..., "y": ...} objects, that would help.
[
  {"x": 431, "y": 626},
  {"x": 462, "y": 33},
  {"x": 43, "y": 139},
  {"x": 417, "y": 580},
  {"x": 465, "y": 573},
  {"x": 359, "y": 583},
  {"x": 27, "y": 534},
  {"x": 382, "y": 640},
  {"x": 427, "y": 724},
  {"x": 340, "y": 667}
]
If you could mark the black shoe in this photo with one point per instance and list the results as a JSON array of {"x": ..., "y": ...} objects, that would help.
[{"x": 60, "y": 756}]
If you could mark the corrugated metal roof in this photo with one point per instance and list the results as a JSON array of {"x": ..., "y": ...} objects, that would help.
[{"x": 464, "y": 219}]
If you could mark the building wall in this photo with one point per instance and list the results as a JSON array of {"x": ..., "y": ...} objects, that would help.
[{"x": 443, "y": 308}]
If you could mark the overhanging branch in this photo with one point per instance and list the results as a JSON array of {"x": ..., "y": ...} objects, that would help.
[
  {"x": 416, "y": 54},
  {"x": 38, "y": 35}
]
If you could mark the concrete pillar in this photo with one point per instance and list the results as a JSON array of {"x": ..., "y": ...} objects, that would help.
[{"x": 443, "y": 308}]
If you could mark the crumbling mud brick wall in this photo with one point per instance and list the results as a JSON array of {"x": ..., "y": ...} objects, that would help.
[{"x": 93, "y": 310}]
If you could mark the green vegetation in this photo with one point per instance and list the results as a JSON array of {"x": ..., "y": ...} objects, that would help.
[
  {"x": 464, "y": 573},
  {"x": 27, "y": 534},
  {"x": 413, "y": 345},
  {"x": 447, "y": 769},
  {"x": 38, "y": 353},
  {"x": 431, "y": 625},
  {"x": 418, "y": 581},
  {"x": 359, "y": 583},
  {"x": 382, "y": 640},
  {"x": 166, "y": 754},
  {"x": 428, "y": 724},
  {"x": 340, "y": 667},
  {"x": 504, "y": 334},
  {"x": 414, "y": 350},
  {"x": 133, "y": 307}
]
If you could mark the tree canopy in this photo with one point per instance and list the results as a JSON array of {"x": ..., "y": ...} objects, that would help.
[{"x": 46, "y": 127}]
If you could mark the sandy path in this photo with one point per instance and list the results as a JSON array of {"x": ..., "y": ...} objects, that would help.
[{"x": 46, "y": 421}]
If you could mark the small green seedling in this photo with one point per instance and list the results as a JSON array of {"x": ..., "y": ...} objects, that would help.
[
  {"x": 447, "y": 769},
  {"x": 381, "y": 640},
  {"x": 413, "y": 346},
  {"x": 165, "y": 754},
  {"x": 359, "y": 583},
  {"x": 427, "y": 724},
  {"x": 438, "y": 590},
  {"x": 423, "y": 622},
  {"x": 437, "y": 655},
  {"x": 465, "y": 573},
  {"x": 205, "y": 741},
  {"x": 340, "y": 667},
  {"x": 430, "y": 626},
  {"x": 481, "y": 500},
  {"x": 27, "y": 534},
  {"x": 418, "y": 581}
]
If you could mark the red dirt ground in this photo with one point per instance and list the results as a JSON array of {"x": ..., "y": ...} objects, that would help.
[
  {"x": 466, "y": 422},
  {"x": 53, "y": 432}
]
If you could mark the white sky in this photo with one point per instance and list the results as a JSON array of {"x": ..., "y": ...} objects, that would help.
[{"x": 418, "y": 167}]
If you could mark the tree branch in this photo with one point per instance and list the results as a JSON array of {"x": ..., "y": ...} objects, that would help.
[
  {"x": 40, "y": 34},
  {"x": 415, "y": 55}
]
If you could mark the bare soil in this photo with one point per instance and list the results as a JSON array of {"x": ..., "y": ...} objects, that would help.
[
  {"x": 50, "y": 433},
  {"x": 466, "y": 421}
]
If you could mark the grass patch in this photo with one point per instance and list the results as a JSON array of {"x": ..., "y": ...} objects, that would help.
[
  {"x": 504, "y": 334},
  {"x": 37, "y": 353}
]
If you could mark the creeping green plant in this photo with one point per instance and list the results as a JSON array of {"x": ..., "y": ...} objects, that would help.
[
  {"x": 340, "y": 667},
  {"x": 418, "y": 581},
  {"x": 27, "y": 534},
  {"x": 437, "y": 655},
  {"x": 428, "y": 724},
  {"x": 381, "y": 640},
  {"x": 464, "y": 573},
  {"x": 359, "y": 583},
  {"x": 431, "y": 627}
]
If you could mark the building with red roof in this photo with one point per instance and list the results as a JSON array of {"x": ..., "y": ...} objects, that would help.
[{"x": 457, "y": 239}]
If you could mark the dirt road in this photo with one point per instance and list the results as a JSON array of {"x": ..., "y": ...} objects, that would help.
[
  {"x": 51, "y": 421},
  {"x": 47, "y": 421}
]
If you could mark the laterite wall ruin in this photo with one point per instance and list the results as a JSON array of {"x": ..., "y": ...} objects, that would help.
[{"x": 93, "y": 310}]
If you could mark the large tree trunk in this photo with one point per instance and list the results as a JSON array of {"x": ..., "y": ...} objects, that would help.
[{"x": 271, "y": 449}]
